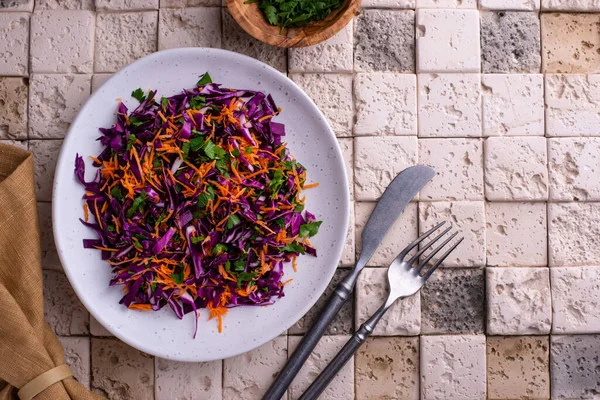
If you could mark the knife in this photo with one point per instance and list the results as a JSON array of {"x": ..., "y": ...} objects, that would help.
[{"x": 393, "y": 201}]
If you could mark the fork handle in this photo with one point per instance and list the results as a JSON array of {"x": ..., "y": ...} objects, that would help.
[
  {"x": 310, "y": 340},
  {"x": 342, "y": 357}
]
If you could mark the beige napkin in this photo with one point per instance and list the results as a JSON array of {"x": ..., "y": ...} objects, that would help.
[{"x": 28, "y": 347}]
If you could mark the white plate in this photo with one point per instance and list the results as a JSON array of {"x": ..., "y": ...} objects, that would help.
[{"x": 311, "y": 141}]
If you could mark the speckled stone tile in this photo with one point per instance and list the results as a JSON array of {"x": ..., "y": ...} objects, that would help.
[
  {"x": 384, "y": 40},
  {"x": 403, "y": 318},
  {"x": 332, "y": 55},
  {"x": 518, "y": 367},
  {"x": 120, "y": 371},
  {"x": 16, "y": 5},
  {"x": 575, "y": 300},
  {"x": 64, "y": 4},
  {"x": 188, "y": 3},
  {"x": 574, "y": 362},
  {"x": 453, "y": 367},
  {"x": 45, "y": 154},
  {"x": 510, "y": 42},
  {"x": 62, "y": 309},
  {"x": 468, "y": 218},
  {"x": 574, "y": 166},
  {"x": 96, "y": 329},
  {"x": 516, "y": 234},
  {"x": 452, "y": 301},
  {"x": 99, "y": 80},
  {"x": 77, "y": 357},
  {"x": 341, "y": 387},
  {"x": 14, "y": 48},
  {"x": 571, "y": 42},
  {"x": 571, "y": 5},
  {"x": 13, "y": 108},
  {"x": 50, "y": 258},
  {"x": 126, "y": 5},
  {"x": 388, "y": 368},
  {"x": 179, "y": 380},
  {"x": 518, "y": 301},
  {"x": 247, "y": 376},
  {"x": 236, "y": 39},
  {"x": 343, "y": 321},
  {"x": 573, "y": 234},
  {"x": 189, "y": 27}
]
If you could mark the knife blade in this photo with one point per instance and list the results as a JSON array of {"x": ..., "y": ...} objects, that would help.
[{"x": 394, "y": 200}]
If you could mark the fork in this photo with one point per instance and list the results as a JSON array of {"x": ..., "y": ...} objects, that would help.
[{"x": 404, "y": 279}]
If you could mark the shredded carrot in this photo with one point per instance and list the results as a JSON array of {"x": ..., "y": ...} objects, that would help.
[
  {"x": 86, "y": 213},
  {"x": 312, "y": 185}
]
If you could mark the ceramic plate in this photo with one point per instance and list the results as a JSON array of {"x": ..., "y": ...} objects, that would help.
[{"x": 311, "y": 141}]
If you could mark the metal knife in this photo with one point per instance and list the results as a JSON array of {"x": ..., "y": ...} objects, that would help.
[{"x": 393, "y": 201}]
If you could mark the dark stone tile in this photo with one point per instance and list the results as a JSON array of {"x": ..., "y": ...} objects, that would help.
[
  {"x": 510, "y": 42},
  {"x": 453, "y": 300},
  {"x": 343, "y": 321},
  {"x": 575, "y": 367},
  {"x": 384, "y": 40}
]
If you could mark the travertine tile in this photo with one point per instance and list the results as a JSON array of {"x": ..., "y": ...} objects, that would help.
[
  {"x": 571, "y": 43},
  {"x": 188, "y": 3},
  {"x": 402, "y": 232},
  {"x": 516, "y": 169},
  {"x": 403, "y": 318},
  {"x": 452, "y": 301},
  {"x": 16, "y": 5},
  {"x": 521, "y": 5},
  {"x": 342, "y": 322},
  {"x": 571, "y": 5},
  {"x": 386, "y": 104},
  {"x": 452, "y": 367},
  {"x": 23, "y": 144},
  {"x": 447, "y": 40},
  {"x": 347, "y": 146},
  {"x": 459, "y": 166},
  {"x": 388, "y": 368},
  {"x": 247, "y": 376},
  {"x": 449, "y": 105},
  {"x": 62, "y": 41},
  {"x": 446, "y": 3},
  {"x": 236, "y": 39},
  {"x": 77, "y": 357},
  {"x": 349, "y": 253},
  {"x": 516, "y": 234},
  {"x": 14, "y": 47},
  {"x": 96, "y": 329},
  {"x": 117, "y": 5},
  {"x": 574, "y": 167},
  {"x": 180, "y": 380},
  {"x": 341, "y": 387},
  {"x": 189, "y": 27},
  {"x": 377, "y": 161},
  {"x": 120, "y": 371},
  {"x": 64, "y": 4},
  {"x": 510, "y": 42},
  {"x": 122, "y": 38},
  {"x": 518, "y": 301},
  {"x": 98, "y": 80},
  {"x": 45, "y": 154},
  {"x": 513, "y": 104},
  {"x": 575, "y": 300},
  {"x": 468, "y": 218},
  {"x": 384, "y": 40},
  {"x": 574, "y": 234},
  {"x": 332, "y": 93},
  {"x": 574, "y": 364},
  {"x": 49, "y": 255},
  {"x": 388, "y": 4},
  {"x": 13, "y": 108},
  {"x": 332, "y": 55},
  {"x": 572, "y": 103},
  {"x": 62, "y": 309},
  {"x": 517, "y": 368},
  {"x": 54, "y": 101}
]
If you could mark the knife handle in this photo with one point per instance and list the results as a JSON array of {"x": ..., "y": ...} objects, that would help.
[{"x": 310, "y": 340}]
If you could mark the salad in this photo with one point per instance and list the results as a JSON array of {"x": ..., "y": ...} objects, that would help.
[{"x": 197, "y": 203}]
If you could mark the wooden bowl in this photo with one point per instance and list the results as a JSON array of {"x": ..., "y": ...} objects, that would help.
[{"x": 253, "y": 21}]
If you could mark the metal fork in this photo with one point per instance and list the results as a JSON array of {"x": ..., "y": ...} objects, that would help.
[{"x": 404, "y": 279}]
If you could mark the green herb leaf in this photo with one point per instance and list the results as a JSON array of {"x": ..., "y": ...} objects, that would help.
[
  {"x": 137, "y": 203},
  {"x": 239, "y": 265},
  {"x": 116, "y": 193},
  {"x": 271, "y": 14},
  {"x": 233, "y": 220},
  {"x": 209, "y": 149},
  {"x": 204, "y": 79},
  {"x": 219, "y": 249},
  {"x": 197, "y": 102},
  {"x": 197, "y": 143},
  {"x": 294, "y": 248},
  {"x": 248, "y": 150},
  {"x": 310, "y": 229},
  {"x": 178, "y": 278},
  {"x": 138, "y": 94},
  {"x": 236, "y": 152},
  {"x": 197, "y": 239},
  {"x": 280, "y": 222},
  {"x": 135, "y": 121},
  {"x": 185, "y": 149},
  {"x": 245, "y": 277},
  {"x": 165, "y": 102},
  {"x": 130, "y": 141},
  {"x": 110, "y": 228}
]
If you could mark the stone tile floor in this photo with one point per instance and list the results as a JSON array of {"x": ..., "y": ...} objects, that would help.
[{"x": 502, "y": 97}]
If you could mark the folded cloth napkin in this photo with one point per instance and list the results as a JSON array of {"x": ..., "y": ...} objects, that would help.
[{"x": 28, "y": 347}]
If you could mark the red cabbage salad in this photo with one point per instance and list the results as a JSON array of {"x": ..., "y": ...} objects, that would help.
[{"x": 197, "y": 203}]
